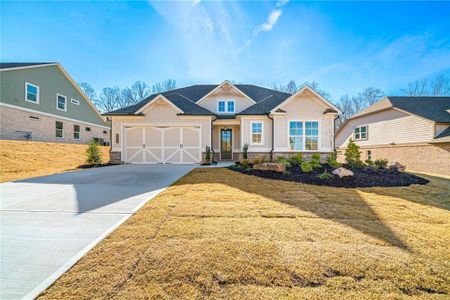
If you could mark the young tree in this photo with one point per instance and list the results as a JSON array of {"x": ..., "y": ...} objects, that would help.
[
  {"x": 353, "y": 155},
  {"x": 93, "y": 153}
]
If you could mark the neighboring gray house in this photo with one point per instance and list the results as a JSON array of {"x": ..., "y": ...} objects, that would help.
[
  {"x": 41, "y": 102},
  {"x": 176, "y": 126},
  {"x": 414, "y": 131}
]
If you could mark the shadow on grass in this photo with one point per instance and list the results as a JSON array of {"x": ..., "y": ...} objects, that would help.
[{"x": 344, "y": 206}]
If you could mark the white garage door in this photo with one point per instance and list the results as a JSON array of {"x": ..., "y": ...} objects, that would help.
[{"x": 166, "y": 145}]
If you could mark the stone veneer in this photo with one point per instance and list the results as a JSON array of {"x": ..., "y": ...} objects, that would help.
[
  {"x": 252, "y": 155},
  {"x": 115, "y": 157},
  {"x": 428, "y": 158}
]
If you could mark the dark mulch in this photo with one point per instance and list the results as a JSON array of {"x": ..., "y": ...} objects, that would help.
[
  {"x": 364, "y": 177},
  {"x": 96, "y": 166}
]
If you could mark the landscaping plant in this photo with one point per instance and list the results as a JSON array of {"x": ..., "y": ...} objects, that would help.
[
  {"x": 296, "y": 159},
  {"x": 283, "y": 160},
  {"x": 332, "y": 160},
  {"x": 380, "y": 163},
  {"x": 315, "y": 161},
  {"x": 306, "y": 167},
  {"x": 208, "y": 154},
  {"x": 265, "y": 159},
  {"x": 93, "y": 153},
  {"x": 245, "y": 152},
  {"x": 353, "y": 155},
  {"x": 244, "y": 163},
  {"x": 325, "y": 175},
  {"x": 369, "y": 162}
]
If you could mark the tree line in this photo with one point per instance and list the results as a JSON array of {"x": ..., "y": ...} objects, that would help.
[{"x": 112, "y": 98}]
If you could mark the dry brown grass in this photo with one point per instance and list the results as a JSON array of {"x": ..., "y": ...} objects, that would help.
[
  {"x": 221, "y": 234},
  {"x": 21, "y": 159}
]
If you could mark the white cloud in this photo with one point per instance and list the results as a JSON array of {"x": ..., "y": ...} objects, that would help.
[
  {"x": 271, "y": 21},
  {"x": 196, "y": 2},
  {"x": 281, "y": 3}
]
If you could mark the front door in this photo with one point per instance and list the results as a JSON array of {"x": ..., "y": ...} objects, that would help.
[{"x": 226, "y": 143}]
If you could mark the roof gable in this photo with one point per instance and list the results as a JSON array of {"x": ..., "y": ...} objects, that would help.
[{"x": 225, "y": 84}]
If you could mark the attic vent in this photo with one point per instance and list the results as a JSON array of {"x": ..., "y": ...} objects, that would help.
[{"x": 34, "y": 118}]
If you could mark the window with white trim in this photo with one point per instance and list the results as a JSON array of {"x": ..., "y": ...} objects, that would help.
[
  {"x": 75, "y": 101},
  {"x": 221, "y": 106},
  {"x": 31, "y": 93},
  {"x": 230, "y": 106},
  {"x": 257, "y": 133},
  {"x": 61, "y": 102},
  {"x": 304, "y": 135},
  {"x": 59, "y": 129},
  {"x": 360, "y": 133},
  {"x": 76, "y": 132}
]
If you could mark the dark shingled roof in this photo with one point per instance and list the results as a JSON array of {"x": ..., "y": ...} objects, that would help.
[
  {"x": 431, "y": 108},
  {"x": 12, "y": 65},
  {"x": 186, "y": 98}
]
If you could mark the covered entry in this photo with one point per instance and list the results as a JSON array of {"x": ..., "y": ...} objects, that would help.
[{"x": 162, "y": 145}]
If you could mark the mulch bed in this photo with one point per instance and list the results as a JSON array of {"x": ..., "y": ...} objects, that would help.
[
  {"x": 96, "y": 166},
  {"x": 364, "y": 177}
]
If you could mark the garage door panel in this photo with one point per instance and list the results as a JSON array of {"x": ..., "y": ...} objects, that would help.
[
  {"x": 191, "y": 137},
  {"x": 172, "y": 156},
  {"x": 153, "y": 156},
  {"x": 172, "y": 137},
  {"x": 134, "y": 137},
  {"x": 191, "y": 156},
  {"x": 153, "y": 137},
  {"x": 135, "y": 156}
]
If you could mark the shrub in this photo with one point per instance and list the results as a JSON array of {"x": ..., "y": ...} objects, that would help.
[
  {"x": 325, "y": 175},
  {"x": 245, "y": 152},
  {"x": 283, "y": 160},
  {"x": 256, "y": 160},
  {"x": 244, "y": 163},
  {"x": 332, "y": 160},
  {"x": 306, "y": 167},
  {"x": 296, "y": 160},
  {"x": 380, "y": 163},
  {"x": 93, "y": 153},
  {"x": 352, "y": 155},
  {"x": 265, "y": 159},
  {"x": 369, "y": 162},
  {"x": 315, "y": 161},
  {"x": 208, "y": 154}
]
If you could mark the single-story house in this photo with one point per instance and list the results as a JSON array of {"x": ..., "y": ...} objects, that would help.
[
  {"x": 413, "y": 131},
  {"x": 41, "y": 102},
  {"x": 176, "y": 126}
]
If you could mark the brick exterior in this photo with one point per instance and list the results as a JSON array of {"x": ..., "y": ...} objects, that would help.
[
  {"x": 428, "y": 158},
  {"x": 114, "y": 157},
  {"x": 15, "y": 122}
]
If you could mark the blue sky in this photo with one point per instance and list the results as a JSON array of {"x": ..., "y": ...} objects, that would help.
[{"x": 344, "y": 46}]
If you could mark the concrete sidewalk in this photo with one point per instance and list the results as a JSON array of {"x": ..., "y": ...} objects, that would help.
[{"x": 48, "y": 223}]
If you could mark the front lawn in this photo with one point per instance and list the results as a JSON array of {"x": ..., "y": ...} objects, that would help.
[{"x": 217, "y": 233}]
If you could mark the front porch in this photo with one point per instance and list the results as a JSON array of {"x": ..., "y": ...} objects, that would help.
[{"x": 226, "y": 140}]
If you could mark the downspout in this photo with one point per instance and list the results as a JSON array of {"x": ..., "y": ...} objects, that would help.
[
  {"x": 273, "y": 137},
  {"x": 212, "y": 136}
]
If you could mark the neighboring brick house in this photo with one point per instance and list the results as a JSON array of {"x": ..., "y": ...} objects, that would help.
[
  {"x": 41, "y": 102},
  {"x": 414, "y": 131},
  {"x": 176, "y": 126}
]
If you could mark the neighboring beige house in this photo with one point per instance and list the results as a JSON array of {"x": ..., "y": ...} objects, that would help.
[
  {"x": 177, "y": 126},
  {"x": 414, "y": 131},
  {"x": 41, "y": 102}
]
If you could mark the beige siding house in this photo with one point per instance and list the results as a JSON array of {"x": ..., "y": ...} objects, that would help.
[
  {"x": 414, "y": 131},
  {"x": 177, "y": 126}
]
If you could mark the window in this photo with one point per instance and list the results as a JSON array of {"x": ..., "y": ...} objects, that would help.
[
  {"x": 221, "y": 106},
  {"x": 230, "y": 106},
  {"x": 257, "y": 132},
  {"x": 61, "y": 102},
  {"x": 31, "y": 93},
  {"x": 369, "y": 154},
  {"x": 74, "y": 101},
  {"x": 304, "y": 135},
  {"x": 296, "y": 136},
  {"x": 76, "y": 132},
  {"x": 311, "y": 135},
  {"x": 59, "y": 129},
  {"x": 360, "y": 133},
  {"x": 88, "y": 128},
  {"x": 36, "y": 118}
]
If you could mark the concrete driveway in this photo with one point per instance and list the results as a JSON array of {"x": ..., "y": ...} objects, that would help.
[{"x": 48, "y": 223}]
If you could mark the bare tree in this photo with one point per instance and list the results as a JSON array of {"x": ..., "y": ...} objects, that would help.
[
  {"x": 440, "y": 86},
  {"x": 370, "y": 95},
  {"x": 437, "y": 86},
  {"x": 315, "y": 86},
  {"x": 140, "y": 90},
  {"x": 417, "y": 88},
  {"x": 111, "y": 99},
  {"x": 166, "y": 85},
  {"x": 88, "y": 90}
]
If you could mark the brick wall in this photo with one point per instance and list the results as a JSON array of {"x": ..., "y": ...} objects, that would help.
[{"x": 429, "y": 158}]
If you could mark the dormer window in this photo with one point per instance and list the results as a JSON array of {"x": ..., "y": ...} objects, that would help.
[
  {"x": 221, "y": 106},
  {"x": 230, "y": 106}
]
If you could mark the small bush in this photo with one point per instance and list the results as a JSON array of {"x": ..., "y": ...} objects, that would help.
[
  {"x": 353, "y": 155},
  {"x": 315, "y": 161},
  {"x": 283, "y": 160},
  {"x": 245, "y": 152},
  {"x": 256, "y": 160},
  {"x": 332, "y": 160},
  {"x": 380, "y": 163},
  {"x": 296, "y": 160},
  {"x": 306, "y": 167},
  {"x": 325, "y": 175},
  {"x": 93, "y": 153},
  {"x": 208, "y": 154},
  {"x": 266, "y": 159},
  {"x": 369, "y": 162},
  {"x": 244, "y": 163},
  {"x": 287, "y": 173}
]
